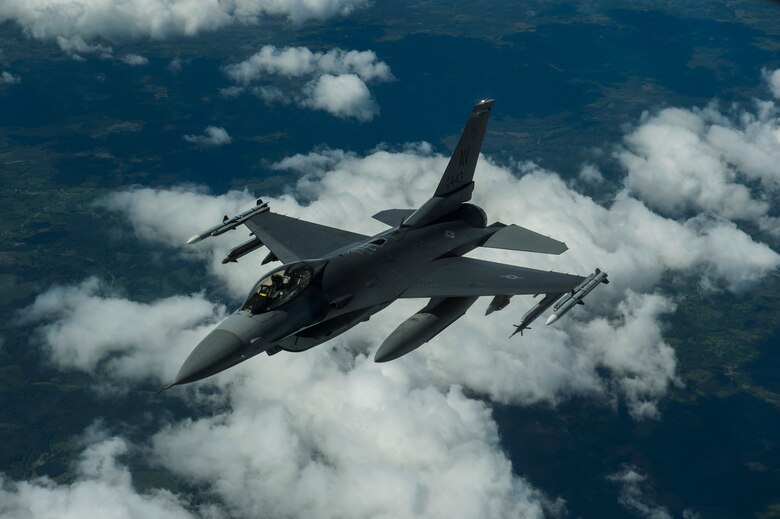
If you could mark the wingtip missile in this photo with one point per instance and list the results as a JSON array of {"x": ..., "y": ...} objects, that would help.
[{"x": 228, "y": 224}]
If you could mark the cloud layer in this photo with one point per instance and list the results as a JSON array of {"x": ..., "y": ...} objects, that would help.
[
  {"x": 333, "y": 81},
  {"x": 115, "y": 20},
  {"x": 329, "y": 432}
]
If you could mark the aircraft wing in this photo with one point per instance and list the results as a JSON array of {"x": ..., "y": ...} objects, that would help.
[
  {"x": 462, "y": 277},
  {"x": 291, "y": 239}
]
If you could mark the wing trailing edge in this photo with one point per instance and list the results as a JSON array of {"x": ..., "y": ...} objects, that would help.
[{"x": 463, "y": 277}]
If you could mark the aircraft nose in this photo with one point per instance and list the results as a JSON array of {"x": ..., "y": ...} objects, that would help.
[{"x": 211, "y": 356}]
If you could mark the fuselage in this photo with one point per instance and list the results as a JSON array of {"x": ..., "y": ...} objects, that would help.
[{"x": 303, "y": 304}]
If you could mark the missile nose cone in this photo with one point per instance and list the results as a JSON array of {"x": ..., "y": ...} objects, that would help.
[
  {"x": 551, "y": 320},
  {"x": 211, "y": 356},
  {"x": 194, "y": 239}
]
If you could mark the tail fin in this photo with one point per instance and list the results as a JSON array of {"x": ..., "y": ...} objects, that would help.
[{"x": 460, "y": 170}]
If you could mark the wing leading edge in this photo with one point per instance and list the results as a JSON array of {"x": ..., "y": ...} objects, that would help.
[
  {"x": 291, "y": 239},
  {"x": 461, "y": 277}
]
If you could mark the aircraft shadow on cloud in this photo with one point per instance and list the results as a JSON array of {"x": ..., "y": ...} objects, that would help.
[{"x": 332, "y": 279}]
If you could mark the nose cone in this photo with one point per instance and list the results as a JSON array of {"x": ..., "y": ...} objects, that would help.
[{"x": 218, "y": 351}]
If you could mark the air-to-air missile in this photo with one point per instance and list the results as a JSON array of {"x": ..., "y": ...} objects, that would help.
[
  {"x": 228, "y": 224},
  {"x": 535, "y": 312},
  {"x": 577, "y": 295}
]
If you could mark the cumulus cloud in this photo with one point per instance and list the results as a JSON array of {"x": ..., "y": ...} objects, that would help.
[
  {"x": 102, "y": 488},
  {"x": 212, "y": 136},
  {"x": 632, "y": 494},
  {"x": 6, "y": 78},
  {"x": 690, "y": 160},
  {"x": 333, "y": 81},
  {"x": 300, "y": 61},
  {"x": 343, "y": 96},
  {"x": 134, "y": 60},
  {"x": 114, "y": 20},
  {"x": 89, "y": 328},
  {"x": 320, "y": 441}
]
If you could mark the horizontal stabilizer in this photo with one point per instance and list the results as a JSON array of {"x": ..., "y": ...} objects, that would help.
[
  {"x": 514, "y": 237},
  {"x": 393, "y": 217}
]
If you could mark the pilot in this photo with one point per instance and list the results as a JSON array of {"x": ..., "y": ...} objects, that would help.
[{"x": 279, "y": 282}]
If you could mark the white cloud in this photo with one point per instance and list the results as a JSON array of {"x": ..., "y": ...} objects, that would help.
[
  {"x": 172, "y": 216},
  {"x": 305, "y": 438},
  {"x": 591, "y": 174},
  {"x": 76, "y": 47},
  {"x": 102, "y": 488},
  {"x": 134, "y": 60},
  {"x": 91, "y": 329},
  {"x": 632, "y": 494},
  {"x": 115, "y": 20},
  {"x": 6, "y": 78},
  {"x": 300, "y": 61},
  {"x": 212, "y": 136},
  {"x": 333, "y": 81},
  {"x": 682, "y": 161},
  {"x": 773, "y": 81},
  {"x": 343, "y": 96}
]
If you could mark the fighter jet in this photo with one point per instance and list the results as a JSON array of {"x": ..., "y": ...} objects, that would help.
[{"x": 331, "y": 279}]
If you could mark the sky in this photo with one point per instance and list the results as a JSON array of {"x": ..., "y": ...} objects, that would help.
[{"x": 330, "y": 433}]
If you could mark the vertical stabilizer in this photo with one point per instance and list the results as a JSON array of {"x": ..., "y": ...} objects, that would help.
[{"x": 460, "y": 170}]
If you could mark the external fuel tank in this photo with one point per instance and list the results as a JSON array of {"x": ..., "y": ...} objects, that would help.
[{"x": 423, "y": 326}]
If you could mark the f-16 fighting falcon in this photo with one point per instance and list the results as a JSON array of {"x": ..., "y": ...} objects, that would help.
[{"x": 331, "y": 280}]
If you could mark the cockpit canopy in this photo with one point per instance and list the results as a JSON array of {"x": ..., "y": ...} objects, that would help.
[{"x": 278, "y": 288}]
